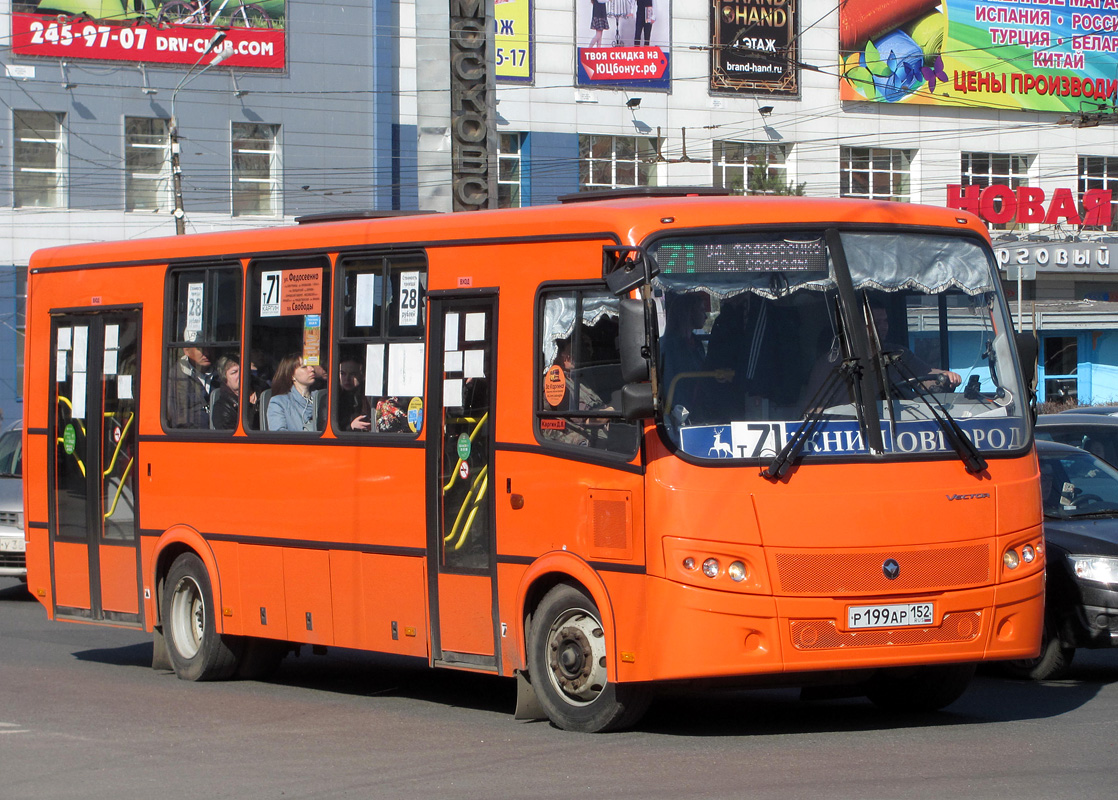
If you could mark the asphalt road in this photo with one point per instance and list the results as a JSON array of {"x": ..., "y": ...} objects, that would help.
[{"x": 82, "y": 715}]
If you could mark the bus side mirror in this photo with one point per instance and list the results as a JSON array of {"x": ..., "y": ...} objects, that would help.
[
  {"x": 1027, "y": 350},
  {"x": 633, "y": 342},
  {"x": 637, "y": 401}
]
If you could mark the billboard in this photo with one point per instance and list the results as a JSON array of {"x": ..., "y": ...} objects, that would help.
[
  {"x": 753, "y": 47},
  {"x": 166, "y": 32},
  {"x": 624, "y": 43},
  {"x": 513, "y": 40},
  {"x": 1029, "y": 55}
]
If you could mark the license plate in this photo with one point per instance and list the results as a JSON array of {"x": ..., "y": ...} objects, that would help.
[
  {"x": 12, "y": 545},
  {"x": 891, "y": 616}
]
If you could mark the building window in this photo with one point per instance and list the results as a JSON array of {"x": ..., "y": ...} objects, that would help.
[
  {"x": 751, "y": 167},
  {"x": 1100, "y": 172},
  {"x": 39, "y": 160},
  {"x": 985, "y": 169},
  {"x": 147, "y": 168},
  {"x": 614, "y": 162},
  {"x": 874, "y": 173},
  {"x": 255, "y": 170},
  {"x": 508, "y": 169}
]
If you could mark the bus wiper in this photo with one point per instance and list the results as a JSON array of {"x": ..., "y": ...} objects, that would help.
[
  {"x": 842, "y": 374},
  {"x": 972, "y": 460}
]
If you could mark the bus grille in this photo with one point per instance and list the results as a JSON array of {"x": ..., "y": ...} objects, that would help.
[
  {"x": 821, "y": 634},
  {"x": 17, "y": 560},
  {"x": 921, "y": 570}
]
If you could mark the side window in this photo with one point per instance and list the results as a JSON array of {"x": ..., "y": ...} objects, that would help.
[
  {"x": 205, "y": 332},
  {"x": 581, "y": 372},
  {"x": 379, "y": 378},
  {"x": 288, "y": 371}
]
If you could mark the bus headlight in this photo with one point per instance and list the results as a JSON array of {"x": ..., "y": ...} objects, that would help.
[
  {"x": 1011, "y": 559},
  {"x": 1028, "y": 554},
  {"x": 711, "y": 567},
  {"x": 736, "y": 571}
]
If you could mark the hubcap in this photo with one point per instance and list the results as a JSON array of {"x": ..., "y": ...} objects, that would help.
[
  {"x": 188, "y": 617},
  {"x": 577, "y": 657}
]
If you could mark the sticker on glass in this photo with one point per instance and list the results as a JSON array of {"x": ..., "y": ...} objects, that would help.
[
  {"x": 452, "y": 361},
  {"x": 415, "y": 414},
  {"x": 452, "y": 393},
  {"x": 450, "y": 338},
  {"x": 474, "y": 366},
  {"x": 77, "y": 396},
  {"x": 475, "y": 327},
  {"x": 374, "y": 370},
  {"x": 112, "y": 336},
  {"x": 110, "y": 362},
  {"x": 81, "y": 348},
  {"x": 123, "y": 387},
  {"x": 368, "y": 298},
  {"x": 312, "y": 339},
  {"x": 409, "y": 298},
  {"x": 405, "y": 369},
  {"x": 60, "y": 373},
  {"x": 64, "y": 339}
]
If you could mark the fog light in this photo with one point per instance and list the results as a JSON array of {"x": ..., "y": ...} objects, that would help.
[
  {"x": 711, "y": 567},
  {"x": 688, "y": 563},
  {"x": 1027, "y": 554},
  {"x": 1011, "y": 559},
  {"x": 736, "y": 571}
]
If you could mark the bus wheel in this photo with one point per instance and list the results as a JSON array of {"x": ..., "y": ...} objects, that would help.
[
  {"x": 1052, "y": 664},
  {"x": 197, "y": 651},
  {"x": 567, "y": 662},
  {"x": 919, "y": 688}
]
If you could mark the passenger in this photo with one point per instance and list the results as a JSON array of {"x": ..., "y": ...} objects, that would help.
[
  {"x": 353, "y": 406},
  {"x": 191, "y": 384},
  {"x": 916, "y": 365},
  {"x": 292, "y": 406},
  {"x": 575, "y": 431},
  {"x": 226, "y": 400}
]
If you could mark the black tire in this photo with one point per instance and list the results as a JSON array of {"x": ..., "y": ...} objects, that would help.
[
  {"x": 179, "y": 12},
  {"x": 919, "y": 688},
  {"x": 1052, "y": 664},
  {"x": 196, "y": 650},
  {"x": 567, "y": 664}
]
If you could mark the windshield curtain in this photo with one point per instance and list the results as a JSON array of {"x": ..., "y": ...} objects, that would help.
[{"x": 752, "y": 336}]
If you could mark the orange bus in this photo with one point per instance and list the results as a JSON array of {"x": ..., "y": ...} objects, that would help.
[{"x": 600, "y": 446}]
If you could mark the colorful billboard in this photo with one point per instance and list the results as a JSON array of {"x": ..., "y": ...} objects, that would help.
[
  {"x": 624, "y": 43},
  {"x": 753, "y": 47},
  {"x": 152, "y": 31},
  {"x": 1027, "y": 55},
  {"x": 513, "y": 40}
]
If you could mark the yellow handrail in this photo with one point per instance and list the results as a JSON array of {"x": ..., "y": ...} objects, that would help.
[
  {"x": 119, "y": 442},
  {"x": 120, "y": 488},
  {"x": 454, "y": 475}
]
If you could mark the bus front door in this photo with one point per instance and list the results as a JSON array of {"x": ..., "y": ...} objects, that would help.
[
  {"x": 462, "y": 565},
  {"x": 94, "y": 541}
]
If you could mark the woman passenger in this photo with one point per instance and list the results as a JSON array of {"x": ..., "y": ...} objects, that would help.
[
  {"x": 226, "y": 401},
  {"x": 292, "y": 407}
]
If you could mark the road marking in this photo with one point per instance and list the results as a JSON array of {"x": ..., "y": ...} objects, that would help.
[{"x": 10, "y": 726}]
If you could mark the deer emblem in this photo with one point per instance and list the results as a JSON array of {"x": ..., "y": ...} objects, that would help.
[{"x": 720, "y": 446}]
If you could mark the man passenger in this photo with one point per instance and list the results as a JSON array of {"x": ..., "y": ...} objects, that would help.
[{"x": 191, "y": 384}]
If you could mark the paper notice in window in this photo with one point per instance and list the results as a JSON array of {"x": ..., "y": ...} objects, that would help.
[
  {"x": 194, "y": 302},
  {"x": 368, "y": 284},
  {"x": 77, "y": 395},
  {"x": 452, "y": 362},
  {"x": 81, "y": 348},
  {"x": 301, "y": 292},
  {"x": 450, "y": 340},
  {"x": 64, "y": 339},
  {"x": 374, "y": 370},
  {"x": 475, "y": 364},
  {"x": 409, "y": 298},
  {"x": 405, "y": 369},
  {"x": 475, "y": 327},
  {"x": 123, "y": 387},
  {"x": 112, "y": 337},
  {"x": 452, "y": 393},
  {"x": 270, "y": 294},
  {"x": 110, "y": 362},
  {"x": 60, "y": 372}
]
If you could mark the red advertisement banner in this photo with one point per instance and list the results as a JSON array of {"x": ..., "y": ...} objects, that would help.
[
  {"x": 623, "y": 63},
  {"x": 78, "y": 37}
]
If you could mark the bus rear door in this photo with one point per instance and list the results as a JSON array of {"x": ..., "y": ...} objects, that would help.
[
  {"x": 94, "y": 542},
  {"x": 460, "y": 514}
]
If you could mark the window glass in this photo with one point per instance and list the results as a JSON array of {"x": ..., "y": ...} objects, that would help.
[
  {"x": 255, "y": 169},
  {"x": 38, "y": 159},
  {"x": 582, "y": 373},
  {"x": 381, "y": 347},
  {"x": 876, "y": 174},
  {"x": 147, "y": 149},
  {"x": 205, "y": 320},
  {"x": 288, "y": 351}
]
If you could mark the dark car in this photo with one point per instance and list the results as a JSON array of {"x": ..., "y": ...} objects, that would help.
[
  {"x": 1080, "y": 496},
  {"x": 1095, "y": 433}
]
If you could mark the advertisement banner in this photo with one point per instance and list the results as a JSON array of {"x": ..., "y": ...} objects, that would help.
[
  {"x": 150, "y": 32},
  {"x": 1028, "y": 55},
  {"x": 513, "y": 40},
  {"x": 623, "y": 43},
  {"x": 754, "y": 48}
]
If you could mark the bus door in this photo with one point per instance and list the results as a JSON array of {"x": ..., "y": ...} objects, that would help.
[
  {"x": 462, "y": 566},
  {"x": 95, "y": 560}
]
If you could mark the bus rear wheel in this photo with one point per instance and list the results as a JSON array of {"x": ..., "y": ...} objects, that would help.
[
  {"x": 567, "y": 662},
  {"x": 196, "y": 650}
]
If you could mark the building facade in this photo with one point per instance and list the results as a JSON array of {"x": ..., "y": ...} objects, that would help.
[{"x": 1005, "y": 109}]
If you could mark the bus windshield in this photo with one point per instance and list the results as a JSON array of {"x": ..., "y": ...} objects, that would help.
[{"x": 832, "y": 337}]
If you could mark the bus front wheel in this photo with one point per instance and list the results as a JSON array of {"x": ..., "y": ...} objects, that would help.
[
  {"x": 196, "y": 650},
  {"x": 567, "y": 663}
]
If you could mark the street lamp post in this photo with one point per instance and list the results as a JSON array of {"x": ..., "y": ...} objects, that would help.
[{"x": 176, "y": 167}]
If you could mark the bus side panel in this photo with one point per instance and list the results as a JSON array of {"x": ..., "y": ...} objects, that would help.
[
  {"x": 38, "y": 568},
  {"x": 71, "y": 574},
  {"x": 119, "y": 579},
  {"x": 394, "y": 591},
  {"x": 306, "y": 578},
  {"x": 262, "y": 606}
]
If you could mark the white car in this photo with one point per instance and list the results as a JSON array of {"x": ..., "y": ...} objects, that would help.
[{"x": 13, "y": 559}]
